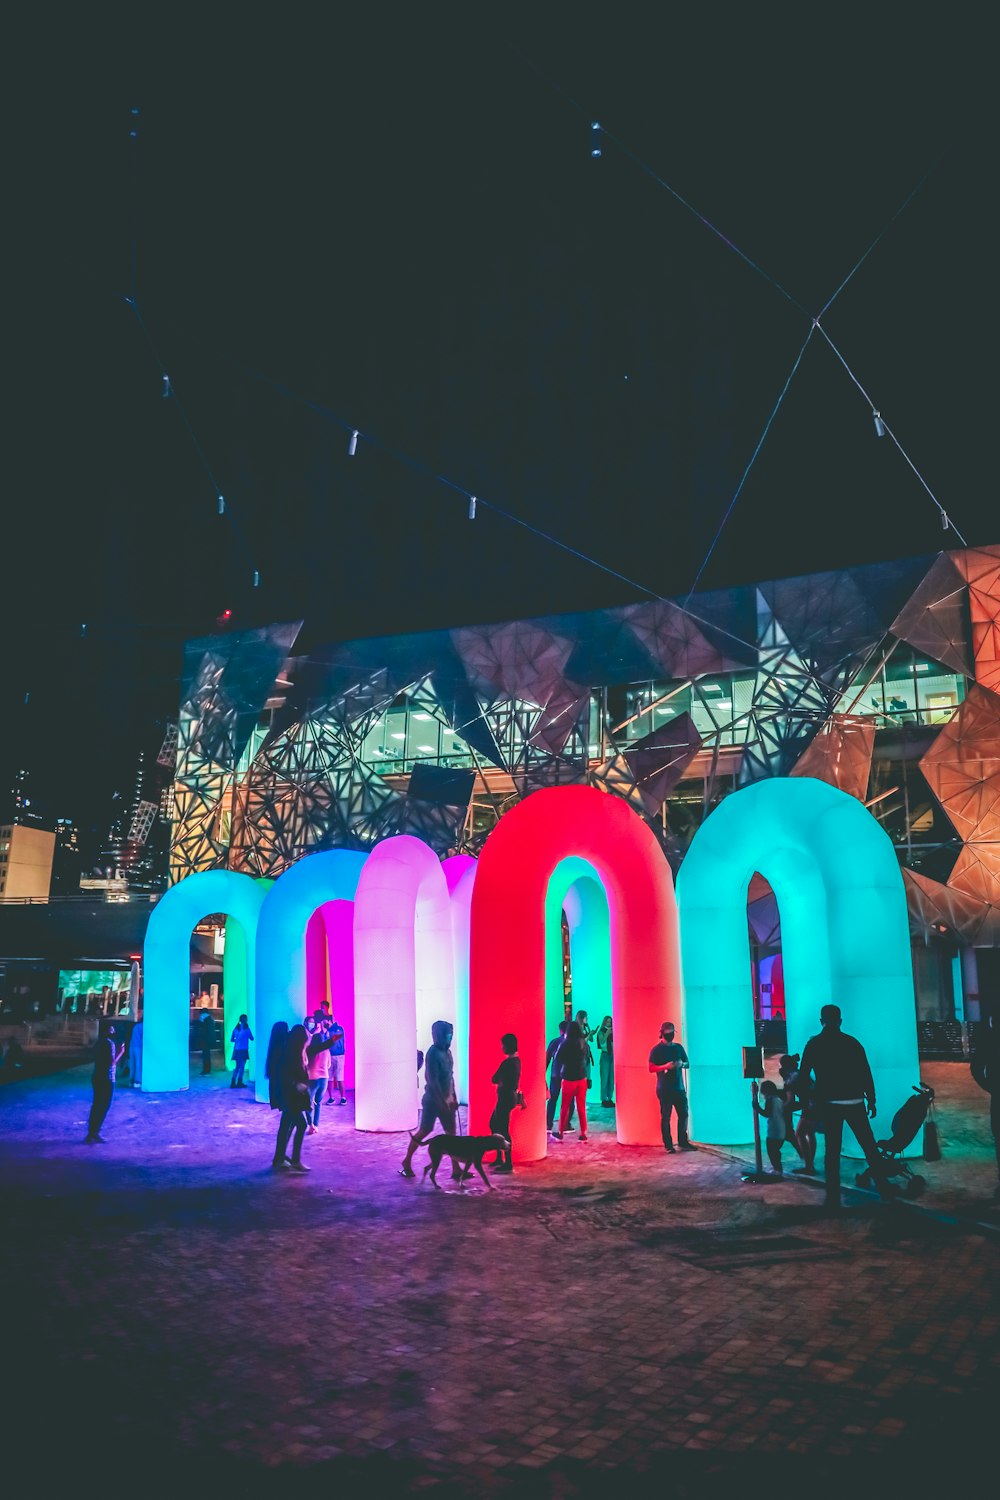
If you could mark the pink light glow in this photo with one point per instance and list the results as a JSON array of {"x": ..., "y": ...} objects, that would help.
[
  {"x": 509, "y": 940},
  {"x": 403, "y": 975}
]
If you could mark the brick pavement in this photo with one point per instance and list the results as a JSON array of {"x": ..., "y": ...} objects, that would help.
[{"x": 612, "y": 1318}]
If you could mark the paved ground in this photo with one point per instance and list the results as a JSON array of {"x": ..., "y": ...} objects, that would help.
[{"x": 610, "y": 1320}]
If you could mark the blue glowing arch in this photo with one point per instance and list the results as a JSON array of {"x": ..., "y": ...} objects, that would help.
[
  {"x": 167, "y": 965},
  {"x": 844, "y": 936},
  {"x": 282, "y": 946}
]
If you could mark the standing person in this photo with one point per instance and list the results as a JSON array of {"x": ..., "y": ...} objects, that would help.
[
  {"x": 668, "y": 1060},
  {"x": 986, "y": 1071},
  {"x": 276, "y": 1044},
  {"x": 555, "y": 1074},
  {"x": 773, "y": 1111},
  {"x": 135, "y": 1054},
  {"x": 587, "y": 1032},
  {"x": 318, "y": 1066},
  {"x": 572, "y": 1058},
  {"x": 845, "y": 1094},
  {"x": 206, "y": 1036},
  {"x": 440, "y": 1102},
  {"x": 293, "y": 1081},
  {"x": 108, "y": 1053},
  {"x": 606, "y": 1060},
  {"x": 241, "y": 1038},
  {"x": 802, "y": 1135},
  {"x": 337, "y": 1060},
  {"x": 508, "y": 1080}
]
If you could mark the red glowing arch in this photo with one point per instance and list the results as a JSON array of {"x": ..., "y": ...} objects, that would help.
[{"x": 509, "y": 940}]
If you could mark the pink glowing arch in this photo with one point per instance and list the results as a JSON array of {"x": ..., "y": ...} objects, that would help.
[
  {"x": 537, "y": 851},
  {"x": 403, "y": 976}
]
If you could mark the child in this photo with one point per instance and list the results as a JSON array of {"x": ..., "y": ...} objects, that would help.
[
  {"x": 773, "y": 1111},
  {"x": 507, "y": 1079}
]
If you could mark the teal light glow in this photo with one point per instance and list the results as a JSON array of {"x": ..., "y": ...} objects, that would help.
[
  {"x": 576, "y": 889},
  {"x": 844, "y": 938},
  {"x": 238, "y": 998},
  {"x": 167, "y": 965}
]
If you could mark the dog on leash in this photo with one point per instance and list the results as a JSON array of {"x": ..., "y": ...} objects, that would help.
[{"x": 466, "y": 1151}]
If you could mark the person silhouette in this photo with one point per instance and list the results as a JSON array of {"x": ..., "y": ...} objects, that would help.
[{"x": 845, "y": 1095}]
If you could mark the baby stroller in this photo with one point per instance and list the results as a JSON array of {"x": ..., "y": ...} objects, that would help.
[{"x": 905, "y": 1123}]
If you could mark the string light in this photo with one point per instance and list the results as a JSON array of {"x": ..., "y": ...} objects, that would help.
[
  {"x": 256, "y": 579},
  {"x": 352, "y": 446},
  {"x": 222, "y": 505},
  {"x": 472, "y": 507},
  {"x": 595, "y": 149},
  {"x": 166, "y": 386},
  {"x": 879, "y": 424}
]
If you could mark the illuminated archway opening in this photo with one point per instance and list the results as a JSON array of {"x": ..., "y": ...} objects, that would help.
[
  {"x": 556, "y": 840},
  {"x": 283, "y": 945},
  {"x": 403, "y": 976},
  {"x": 577, "y": 896},
  {"x": 167, "y": 965},
  {"x": 844, "y": 938}
]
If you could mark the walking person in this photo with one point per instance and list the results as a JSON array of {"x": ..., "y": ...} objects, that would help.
[
  {"x": 606, "y": 1061},
  {"x": 440, "y": 1102},
  {"x": 241, "y": 1038},
  {"x": 587, "y": 1033},
  {"x": 845, "y": 1095},
  {"x": 108, "y": 1053},
  {"x": 986, "y": 1071},
  {"x": 572, "y": 1058},
  {"x": 555, "y": 1075},
  {"x": 508, "y": 1081},
  {"x": 668, "y": 1061}
]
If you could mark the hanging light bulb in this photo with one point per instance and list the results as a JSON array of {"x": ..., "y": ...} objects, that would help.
[
  {"x": 222, "y": 505},
  {"x": 166, "y": 387},
  {"x": 945, "y": 523},
  {"x": 352, "y": 446},
  {"x": 256, "y": 579},
  {"x": 879, "y": 424},
  {"x": 472, "y": 507},
  {"x": 595, "y": 147}
]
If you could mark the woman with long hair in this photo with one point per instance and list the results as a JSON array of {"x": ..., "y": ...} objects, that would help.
[
  {"x": 293, "y": 1091},
  {"x": 606, "y": 1055},
  {"x": 277, "y": 1042}
]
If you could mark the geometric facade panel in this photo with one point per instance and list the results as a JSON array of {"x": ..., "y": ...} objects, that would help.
[
  {"x": 935, "y": 620},
  {"x": 841, "y": 755},
  {"x": 980, "y": 566}
]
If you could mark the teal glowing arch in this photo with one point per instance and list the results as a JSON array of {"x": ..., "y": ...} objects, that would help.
[
  {"x": 238, "y": 998},
  {"x": 282, "y": 943},
  {"x": 167, "y": 965},
  {"x": 576, "y": 889},
  {"x": 844, "y": 937}
]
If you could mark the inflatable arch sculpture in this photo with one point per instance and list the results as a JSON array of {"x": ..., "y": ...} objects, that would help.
[
  {"x": 844, "y": 939},
  {"x": 403, "y": 976},
  {"x": 238, "y": 996},
  {"x": 284, "y": 973},
  {"x": 557, "y": 840},
  {"x": 167, "y": 965}
]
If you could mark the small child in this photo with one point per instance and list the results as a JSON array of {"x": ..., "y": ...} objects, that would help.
[
  {"x": 773, "y": 1111},
  {"x": 508, "y": 1081}
]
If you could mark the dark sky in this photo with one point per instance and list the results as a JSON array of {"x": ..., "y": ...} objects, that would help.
[{"x": 397, "y": 218}]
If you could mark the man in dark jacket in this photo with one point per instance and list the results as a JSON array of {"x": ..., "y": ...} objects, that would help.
[
  {"x": 844, "y": 1094},
  {"x": 986, "y": 1072},
  {"x": 440, "y": 1102}
]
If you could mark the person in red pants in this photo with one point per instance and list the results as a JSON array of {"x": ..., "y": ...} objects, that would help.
[{"x": 572, "y": 1060}]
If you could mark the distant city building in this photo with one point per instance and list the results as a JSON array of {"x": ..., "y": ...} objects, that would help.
[
  {"x": 66, "y": 863},
  {"x": 25, "y": 862}
]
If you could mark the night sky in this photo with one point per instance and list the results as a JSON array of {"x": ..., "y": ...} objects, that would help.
[{"x": 394, "y": 222}]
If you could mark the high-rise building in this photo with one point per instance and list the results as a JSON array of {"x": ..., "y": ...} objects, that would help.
[{"x": 25, "y": 862}]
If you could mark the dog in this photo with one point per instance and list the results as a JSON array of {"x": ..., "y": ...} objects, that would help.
[{"x": 466, "y": 1151}]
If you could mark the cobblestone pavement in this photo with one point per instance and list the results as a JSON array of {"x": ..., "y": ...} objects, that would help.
[{"x": 610, "y": 1320}]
